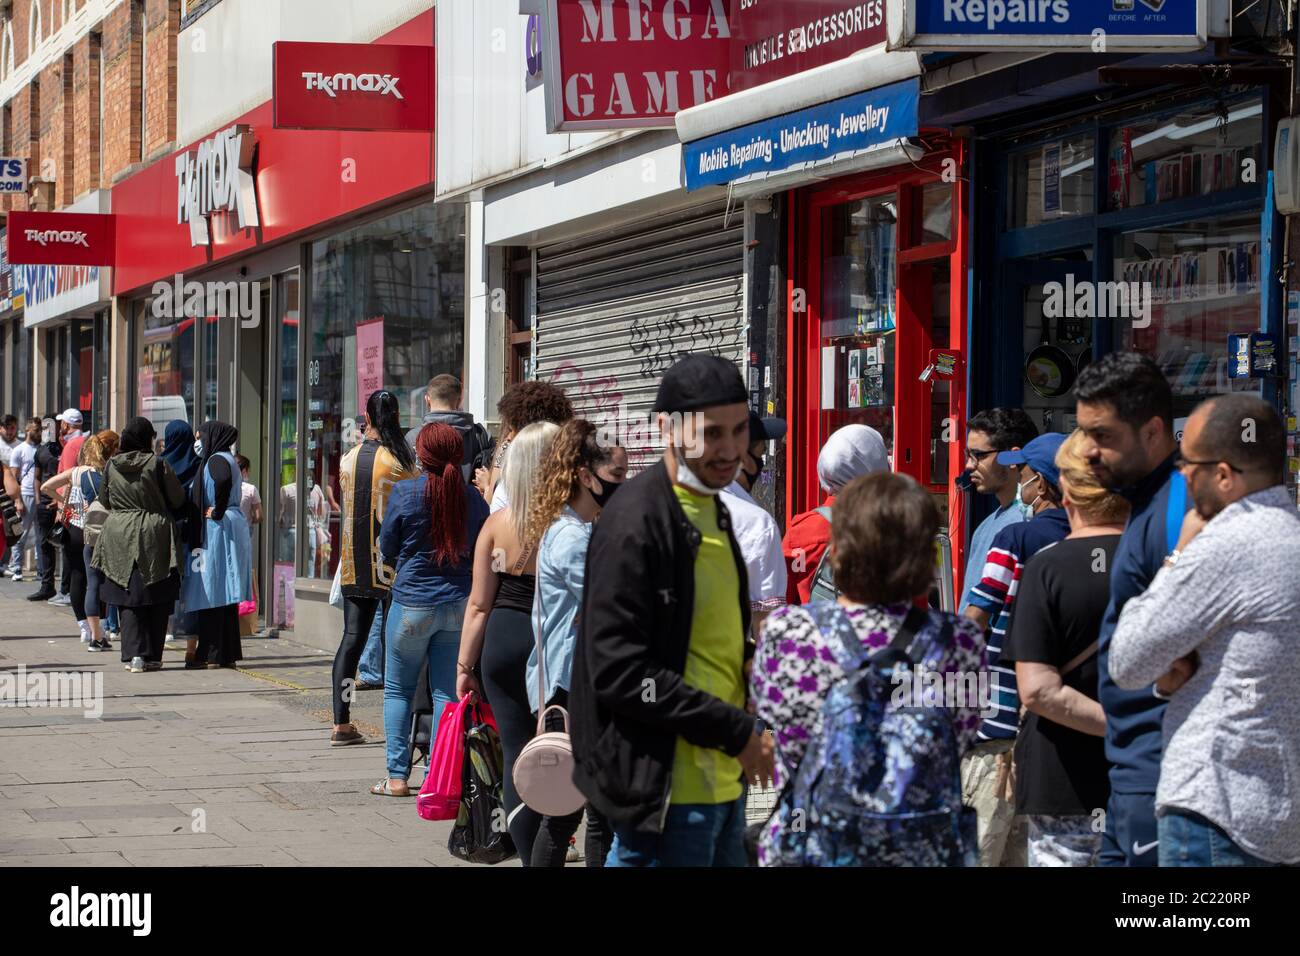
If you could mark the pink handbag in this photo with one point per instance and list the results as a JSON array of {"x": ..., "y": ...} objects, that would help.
[
  {"x": 543, "y": 772},
  {"x": 440, "y": 793}
]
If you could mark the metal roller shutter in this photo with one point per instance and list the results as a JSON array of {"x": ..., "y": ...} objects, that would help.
[{"x": 615, "y": 310}]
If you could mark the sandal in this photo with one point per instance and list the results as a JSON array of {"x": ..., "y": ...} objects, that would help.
[{"x": 381, "y": 789}]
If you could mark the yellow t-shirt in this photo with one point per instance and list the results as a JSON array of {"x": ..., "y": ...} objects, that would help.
[{"x": 716, "y": 657}]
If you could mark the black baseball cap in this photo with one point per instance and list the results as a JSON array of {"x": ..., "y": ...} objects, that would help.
[
  {"x": 700, "y": 381},
  {"x": 765, "y": 429}
]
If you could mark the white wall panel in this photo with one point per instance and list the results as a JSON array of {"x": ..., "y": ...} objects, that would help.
[{"x": 224, "y": 58}]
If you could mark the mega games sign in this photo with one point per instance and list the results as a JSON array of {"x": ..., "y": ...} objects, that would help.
[
  {"x": 841, "y": 127},
  {"x": 363, "y": 86},
  {"x": 779, "y": 38},
  {"x": 633, "y": 63},
  {"x": 1096, "y": 26}
]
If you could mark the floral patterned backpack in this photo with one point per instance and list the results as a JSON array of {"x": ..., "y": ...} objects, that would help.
[{"x": 881, "y": 786}]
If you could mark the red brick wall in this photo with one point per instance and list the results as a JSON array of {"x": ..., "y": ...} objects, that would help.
[
  {"x": 24, "y": 136},
  {"x": 85, "y": 114},
  {"x": 162, "y": 23},
  {"x": 56, "y": 129},
  {"x": 56, "y": 117},
  {"x": 122, "y": 94}
]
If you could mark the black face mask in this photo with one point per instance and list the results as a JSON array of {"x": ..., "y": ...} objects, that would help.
[
  {"x": 753, "y": 476},
  {"x": 607, "y": 490}
]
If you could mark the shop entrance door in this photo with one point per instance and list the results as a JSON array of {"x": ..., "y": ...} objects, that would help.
[
  {"x": 882, "y": 271},
  {"x": 251, "y": 419},
  {"x": 1038, "y": 302}
]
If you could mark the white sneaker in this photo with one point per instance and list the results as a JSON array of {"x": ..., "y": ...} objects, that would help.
[
  {"x": 171, "y": 639},
  {"x": 137, "y": 665},
  {"x": 85, "y": 631},
  {"x": 60, "y": 600},
  {"x": 15, "y": 576}
]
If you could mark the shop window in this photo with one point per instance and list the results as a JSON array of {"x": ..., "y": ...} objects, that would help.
[
  {"x": 859, "y": 317},
  {"x": 519, "y": 324},
  {"x": 1196, "y": 152},
  {"x": 387, "y": 311},
  {"x": 1199, "y": 282},
  {"x": 1054, "y": 180},
  {"x": 933, "y": 214},
  {"x": 165, "y": 364},
  {"x": 285, "y": 500}
]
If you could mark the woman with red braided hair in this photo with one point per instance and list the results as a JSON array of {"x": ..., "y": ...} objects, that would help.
[{"x": 429, "y": 531}]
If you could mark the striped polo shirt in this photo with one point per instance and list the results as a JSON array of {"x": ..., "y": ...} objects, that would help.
[{"x": 996, "y": 595}]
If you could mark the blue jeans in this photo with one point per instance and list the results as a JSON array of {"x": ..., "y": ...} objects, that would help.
[
  {"x": 1188, "y": 839},
  {"x": 417, "y": 637},
  {"x": 695, "y": 834},
  {"x": 110, "y": 619},
  {"x": 371, "y": 668}
]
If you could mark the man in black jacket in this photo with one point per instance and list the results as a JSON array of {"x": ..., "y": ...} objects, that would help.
[{"x": 662, "y": 739}]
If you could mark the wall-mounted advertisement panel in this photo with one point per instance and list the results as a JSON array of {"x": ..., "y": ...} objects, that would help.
[
  {"x": 633, "y": 65},
  {"x": 1097, "y": 26},
  {"x": 779, "y": 38}
]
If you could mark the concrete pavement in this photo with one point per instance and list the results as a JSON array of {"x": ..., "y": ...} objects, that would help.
[{"x": 193, "y": 768}]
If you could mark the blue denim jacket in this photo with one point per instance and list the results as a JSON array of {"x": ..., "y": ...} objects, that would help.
[
  {"x": 404, "y": 541},
  {"x": 561, "y": 571}
]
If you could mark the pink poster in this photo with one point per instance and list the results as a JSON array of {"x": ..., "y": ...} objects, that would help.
[
  {"x": 282, "y": 597},
  {"x": 370, "y": 360}
]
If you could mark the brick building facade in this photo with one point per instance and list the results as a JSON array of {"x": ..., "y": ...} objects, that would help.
[{"x": 93, "y": 98}]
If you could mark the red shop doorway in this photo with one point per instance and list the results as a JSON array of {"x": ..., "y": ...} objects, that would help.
[{"x": 878, "y": 289}]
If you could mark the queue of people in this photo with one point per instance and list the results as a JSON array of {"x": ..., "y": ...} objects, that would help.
[{"x": 1122, "y": 625}]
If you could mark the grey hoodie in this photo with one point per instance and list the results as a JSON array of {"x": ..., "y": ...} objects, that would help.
[{"x": 475, "y": 437}]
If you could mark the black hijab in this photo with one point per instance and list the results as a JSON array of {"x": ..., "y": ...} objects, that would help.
[
  {"x": 216, "y": 437},
  {"x": 178, "y": 451},
  {"x": 138, "y": 435}
]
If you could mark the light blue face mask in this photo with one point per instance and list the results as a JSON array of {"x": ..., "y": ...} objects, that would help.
[{"x": 1026, "y": 510}]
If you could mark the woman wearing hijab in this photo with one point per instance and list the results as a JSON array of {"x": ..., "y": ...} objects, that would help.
[
  {"x": 367, "y": 476},
  {"x": 218, "y": 576},
  {"x": 138, "y": 550},
  {"x": 849, "y": 453},
  {"x": 178, "y": 451}
]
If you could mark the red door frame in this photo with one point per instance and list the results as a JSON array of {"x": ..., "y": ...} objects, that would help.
[{"x": 806, "y": 238}]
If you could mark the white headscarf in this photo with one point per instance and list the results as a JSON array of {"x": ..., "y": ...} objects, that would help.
[{"x": 852, "y": 451}]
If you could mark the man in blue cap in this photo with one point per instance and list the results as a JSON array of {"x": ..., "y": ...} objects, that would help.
[{"x": 986, "y": 770}]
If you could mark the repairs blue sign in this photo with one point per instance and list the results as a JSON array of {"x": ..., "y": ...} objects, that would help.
[
  {"x": 838, "y": 128},
  {"x": 1094, "y": 25}
]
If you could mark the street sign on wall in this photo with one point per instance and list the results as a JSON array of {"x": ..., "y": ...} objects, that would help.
[
  {"x": 362, "y": 86},
  {"x": 774, "y": 39},
  {"x": 13, "y": 175},
  {"x": 839, "y": 128},
  {"x": 61, "y": 239},
  {"x": 633, "y": 64},
  {"x": 1096, "y": 26}
]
